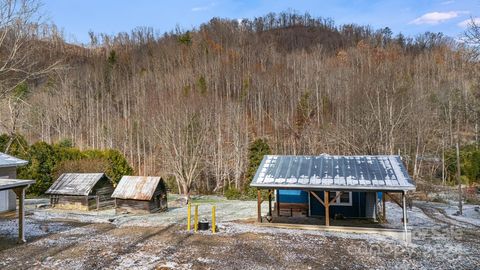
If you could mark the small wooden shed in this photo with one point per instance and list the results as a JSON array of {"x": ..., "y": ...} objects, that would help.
[
  {"x": 140, "y": 195},
  {"x": 82, "y": 191}
]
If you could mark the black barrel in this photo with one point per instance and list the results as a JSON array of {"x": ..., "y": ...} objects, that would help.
[{"x": 203, "y": 225}]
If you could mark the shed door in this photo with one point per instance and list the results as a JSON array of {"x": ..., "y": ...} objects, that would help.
[{"x": 159, "y": 201}]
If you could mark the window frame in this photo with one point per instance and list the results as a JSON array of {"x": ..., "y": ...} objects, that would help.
[{"x": 338, "y": 202}]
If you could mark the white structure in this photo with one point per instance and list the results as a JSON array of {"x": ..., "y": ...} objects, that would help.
[
  {"x": 8, "y": 170},
  {"x": 18, "y": 187}
]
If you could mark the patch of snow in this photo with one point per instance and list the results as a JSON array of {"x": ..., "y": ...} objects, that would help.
[
  {"x": 174, "y": 265},
  {"x": 9, "y": 228},
  {"x": 416, "y": 218},
  {"x": 469, "y": 214},
  {"x": 231, "y": 228}
]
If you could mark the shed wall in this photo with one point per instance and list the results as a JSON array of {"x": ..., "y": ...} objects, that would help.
[
  {"x": 132, "y": 206},
  {"x": 370, "y": 204},
  {"x": 293, "y": 196},
  {"x": 156, "y": 204},
  {"x": 363, "y": 203},
  {"x": 356, "y": 210},
  {"x": 71, "y": 202},
  {"x": 8, "y": 199},
  {"x": 103, "y": 191}
]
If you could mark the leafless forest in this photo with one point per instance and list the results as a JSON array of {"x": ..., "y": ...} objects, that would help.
[{"x": 189, "y": 103}]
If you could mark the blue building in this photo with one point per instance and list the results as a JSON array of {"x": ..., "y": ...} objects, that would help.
[
  {"x": 349, "y": 204},
  {"x": 353, "y": 184}
]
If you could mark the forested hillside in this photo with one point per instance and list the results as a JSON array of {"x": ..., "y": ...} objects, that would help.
[{"x": 190, "y": 103}]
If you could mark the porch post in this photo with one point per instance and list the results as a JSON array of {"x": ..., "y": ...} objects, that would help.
[
  {"x": 404, "y": 204},
  {"x": 384, "y": 211},
  {"x": 278, "y": 202},
  {"x": 21, "y": 213},
  {"x": 309, "y": 213},
  {"x": 270, "y": 202},
  {"x": 326, "y": 200},
  {"x": 259, "y": 206}
]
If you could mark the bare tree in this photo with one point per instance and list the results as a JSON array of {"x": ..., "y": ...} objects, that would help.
[
  {"x": 182, "y": 131},
  {"x": 472, "y": 37},
  {"x": 21, "y": 31}
]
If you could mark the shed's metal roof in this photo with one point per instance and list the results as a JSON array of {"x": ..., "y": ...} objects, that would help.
[
  {"x": 328, "y": 172},
  {"x": 75, "y": 183},
  {"x": 136, "y": 187},
  {"x": 14, "y": 183},
  {"x": 9, "y": 161}
]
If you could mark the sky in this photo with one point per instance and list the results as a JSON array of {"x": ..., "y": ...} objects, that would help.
[{"x": 410, "y": 17}]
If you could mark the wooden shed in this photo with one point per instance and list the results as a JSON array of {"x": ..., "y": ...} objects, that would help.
[
  {"x": 140, "y": 195},
  {"x": 82, "y": 191}
]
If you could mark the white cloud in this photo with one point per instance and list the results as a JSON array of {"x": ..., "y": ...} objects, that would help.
[
  {"x": 466, "y": 23},
  {"x": 448, "y": 2},
  {"x": 200, "y": 8},
  {"x": 203, "y": 8},
  {"x": 436, "y": 17}
]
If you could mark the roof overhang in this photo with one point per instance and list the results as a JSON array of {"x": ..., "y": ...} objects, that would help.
[
  {"x": 333, "y": 173},
  {"x": 6, "y": 184},
  {"x": 20, "y": 164},
  {"x": 334, "y": 188},
  {"x": 7, "y": 161}
]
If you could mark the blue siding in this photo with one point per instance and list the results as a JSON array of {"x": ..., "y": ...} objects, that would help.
[
  {"x": 292, "y": 196},
  {"x": 356, "y": 210}
]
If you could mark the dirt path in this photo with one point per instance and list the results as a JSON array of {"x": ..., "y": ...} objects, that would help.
[
  {"x": 469, "y": 231},
  {"x": 441, "y": 216}
]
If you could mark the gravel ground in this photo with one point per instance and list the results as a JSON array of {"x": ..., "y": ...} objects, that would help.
[{"x": 59, "y": 240}]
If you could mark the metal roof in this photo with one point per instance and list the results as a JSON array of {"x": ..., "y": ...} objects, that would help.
[
  {"x": 136, "y": 187},
  {"x": 326, "y": 172},
  {"x": 75, "y": 183},
  {"x": 9, "y": 161},
  {"x": 14, "y": 183}
]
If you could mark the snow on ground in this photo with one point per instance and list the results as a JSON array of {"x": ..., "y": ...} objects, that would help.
[
  {"x": 471, "y": 213},
  {"x": 92, "y": 240},
  {"x": 225, "y": 211},
  {"x": 415, "y": 216},
  {"x": 9, "y": 227}
]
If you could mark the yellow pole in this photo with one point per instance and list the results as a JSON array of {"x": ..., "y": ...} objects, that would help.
[
  {"x": 189, "y": 216},
  {"x": 195, "y": 219},
  {"x": 213, "y": 219}
]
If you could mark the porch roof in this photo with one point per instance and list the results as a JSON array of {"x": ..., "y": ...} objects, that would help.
[{"x": 327, "y": 172}]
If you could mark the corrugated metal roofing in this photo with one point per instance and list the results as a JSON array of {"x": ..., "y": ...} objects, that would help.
[
  {"x": 13, "y": 183},
  {"x": 75, "y": 183},
  {"x": 326, "y": 172},
  {"x": 9, "y": 161},
  {"x": 136, "y": 187}
]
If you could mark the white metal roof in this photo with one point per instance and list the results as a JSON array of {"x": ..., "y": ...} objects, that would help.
[
  {"x": 326, "y": 172},
  {"x": 9, "y": 161},
  {"x": 13, "y": 183},
  {"x": 75, "y": 183}
]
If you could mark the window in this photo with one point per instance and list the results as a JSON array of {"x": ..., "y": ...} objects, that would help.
[{"x": 343, "y": 200}]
